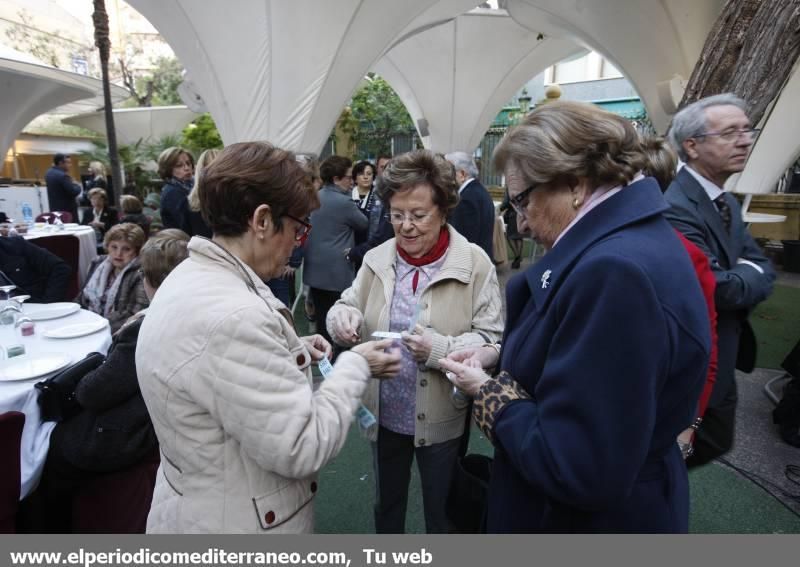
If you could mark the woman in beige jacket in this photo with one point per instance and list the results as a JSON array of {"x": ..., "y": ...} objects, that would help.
[
  {"x": 428, "y": 280},
  {"x": 226, "y": 379}
]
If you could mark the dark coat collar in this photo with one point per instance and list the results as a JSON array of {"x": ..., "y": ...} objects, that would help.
[
  {"x": 707, "y": 209},
  {"x": 635, "y": 203}
]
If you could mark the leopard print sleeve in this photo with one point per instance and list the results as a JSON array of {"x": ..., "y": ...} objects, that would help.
[{"x": 490, "y": 399}]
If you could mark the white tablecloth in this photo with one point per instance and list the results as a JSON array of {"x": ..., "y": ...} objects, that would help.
[
  {"x": 21, "y": 395},
  {"x": 88, "y": 247}
]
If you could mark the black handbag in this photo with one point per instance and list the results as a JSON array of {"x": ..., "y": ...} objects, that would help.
[
  {"x": 57, "y": 400},
  {"x": 469, "y": 489}
]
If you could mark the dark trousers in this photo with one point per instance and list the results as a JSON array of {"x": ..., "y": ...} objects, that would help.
[
  {"x": 714, "y": 438},
  {"x": 323, "y": 301},
  {"x": 392, "y": 456}
]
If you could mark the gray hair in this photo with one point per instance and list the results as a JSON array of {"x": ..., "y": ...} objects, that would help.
[
  {"x": 690, "y": 121},
  {"x": 462, "y": 161}
]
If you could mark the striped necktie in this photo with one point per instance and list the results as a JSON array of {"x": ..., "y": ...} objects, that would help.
[{"x": 724, "y": 211}]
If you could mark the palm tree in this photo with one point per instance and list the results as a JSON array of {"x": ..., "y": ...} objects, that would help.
[{"x": 103, "y": 43}]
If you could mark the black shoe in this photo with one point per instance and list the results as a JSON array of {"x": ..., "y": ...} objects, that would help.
[{"x": 515, "y": 264}]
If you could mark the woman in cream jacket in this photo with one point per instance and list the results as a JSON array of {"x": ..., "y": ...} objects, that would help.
[
  {"x": 428, "y": 280},
  {"x": 226, "y": 379}
]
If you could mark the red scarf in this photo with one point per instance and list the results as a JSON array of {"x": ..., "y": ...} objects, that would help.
[{"x": 433, "y": 254}]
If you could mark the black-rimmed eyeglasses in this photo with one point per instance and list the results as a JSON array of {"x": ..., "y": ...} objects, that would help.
[
  {"x": 301, "y": 232},
  {"x": 520, "y": 202}
]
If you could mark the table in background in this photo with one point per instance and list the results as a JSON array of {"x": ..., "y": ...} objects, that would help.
[
  {"x": 22, "y": 396},
  {"x": 88, "y": 246}
]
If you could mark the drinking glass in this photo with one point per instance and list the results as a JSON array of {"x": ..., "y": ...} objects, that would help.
[
  {"x": 8, "y": 289},
  {"x": 9, "y": 309},
  {"x": 57, "y": 223}
]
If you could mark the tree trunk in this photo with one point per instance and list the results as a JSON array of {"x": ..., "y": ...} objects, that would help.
[
  {"x": 750, "y": 51},
  {"x": 103, "y": 43}
]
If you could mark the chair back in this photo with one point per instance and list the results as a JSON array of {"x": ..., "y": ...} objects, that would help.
[
  {"x": 117, "y": 502},
  {"x": 68, "y": 248},
  {"x": 11, "y": 424},
  {"x": 66, "y": 216}
]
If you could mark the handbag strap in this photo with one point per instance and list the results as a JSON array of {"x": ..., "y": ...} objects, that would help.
[{"x": 464, "y": 442}]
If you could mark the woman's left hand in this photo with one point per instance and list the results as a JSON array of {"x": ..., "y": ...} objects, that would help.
[
  {"x": 465, "y": 377},
  {"x": 317, "y": 347},
  {"x": 419, "y": 345}
]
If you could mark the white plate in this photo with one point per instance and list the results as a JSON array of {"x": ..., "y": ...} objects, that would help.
[
  {"x": 45, "y": 311},
  {"x": 76, "y": 330},
  {"x": 30, "y": 366},
  {"x": 76, "y": 228},
  {"x": 70, "y": 224}
]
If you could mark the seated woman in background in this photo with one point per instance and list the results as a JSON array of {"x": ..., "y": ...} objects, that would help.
[
  {"x": 132, "y": 212},
  {"x": 113, "y": 431},
  {"x": 114, "y": 287},
  {"x": 100, "y": 217}
]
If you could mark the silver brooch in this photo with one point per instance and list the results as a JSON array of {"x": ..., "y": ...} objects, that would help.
[{"x": 546, "y": 279}]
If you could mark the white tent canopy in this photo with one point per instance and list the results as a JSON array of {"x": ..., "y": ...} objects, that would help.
[
  {"x": 283, "y": 71},
  {"x": 481, "y": 59},
  {"x": 31, "y": 88},
  {"x": 655, "y": 43},
  {"x": 134, "y": 124}
]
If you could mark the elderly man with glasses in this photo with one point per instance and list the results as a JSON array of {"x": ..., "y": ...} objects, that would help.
[{"x": 713, "y": 136}]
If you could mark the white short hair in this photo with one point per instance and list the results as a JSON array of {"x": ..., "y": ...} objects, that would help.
[
  {"x": 462, "y": 161},
  {"x": 690, "y": 121}
]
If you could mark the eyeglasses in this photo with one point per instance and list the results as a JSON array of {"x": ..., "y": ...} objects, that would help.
[
  {"x": 520, "y": 202},
  {"x": 301, "y": 232},
  {"x": 397, "y": 218},
  {"x": 732, "y": 135}
]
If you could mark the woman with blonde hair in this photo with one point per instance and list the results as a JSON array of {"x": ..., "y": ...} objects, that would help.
[
  {"x": 193, "y": 222},
  {"x": 114, "y": 287},
  {"x": 98, "y": 172}
]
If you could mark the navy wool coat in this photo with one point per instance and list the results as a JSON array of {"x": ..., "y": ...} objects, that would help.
[{"x": 609, "y": 333}]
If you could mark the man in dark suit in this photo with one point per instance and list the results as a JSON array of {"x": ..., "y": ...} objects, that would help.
[
  {"x": 474, "y": 215},
  {"x": 713, "y": 137},
  {"x": 35, "y": 271},
  {"x": 61, "y": 190}
]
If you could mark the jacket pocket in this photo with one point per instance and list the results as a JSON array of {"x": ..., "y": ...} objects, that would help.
[{"x": 282, "y": 504}]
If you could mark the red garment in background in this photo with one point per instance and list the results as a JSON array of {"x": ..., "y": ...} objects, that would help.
[{"x": 707, "y": 282}]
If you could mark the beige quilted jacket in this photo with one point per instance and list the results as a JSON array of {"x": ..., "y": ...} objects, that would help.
[
  {"x": 228, "y": 386},
  {"x": 460, "y": 307}
]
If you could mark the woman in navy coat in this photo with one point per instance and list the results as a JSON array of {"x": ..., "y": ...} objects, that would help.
[{"x": 606, "y": 343}]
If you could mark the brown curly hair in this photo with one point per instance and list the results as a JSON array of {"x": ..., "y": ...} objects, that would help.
[
  {"x": 563, "y": 140},
  {"x": 410, "y": 169}
]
